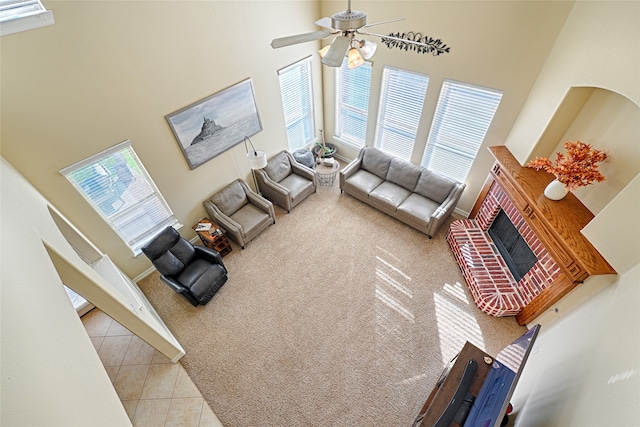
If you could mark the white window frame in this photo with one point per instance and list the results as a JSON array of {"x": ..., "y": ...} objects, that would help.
[
  {"x": 23, "y": 15},
  {"x": 124, "y": 195},
  {"x": 352, "y": 84},
  {"x": 463, "y": 115},
  {"x": 400, "y": 111},
  {"x": 296, "y": 90}
]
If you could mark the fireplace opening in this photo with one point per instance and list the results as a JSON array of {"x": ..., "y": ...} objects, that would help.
[{"x": 514, "y": 250}]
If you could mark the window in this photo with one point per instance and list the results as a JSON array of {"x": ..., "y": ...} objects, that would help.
[
  {"x": 297, "y": 103},
  {"x": 463, "y": 115},
  {"x": 352, "y": 103},
  {"x": 23, "y": 15},
  {"x": 119, "y": 188},
  {"x": 401, "y": 99}
]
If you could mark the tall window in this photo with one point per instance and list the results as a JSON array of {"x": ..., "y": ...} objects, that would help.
[
  {"x": 401, "y": 99},
  {"x": 117, "y": 186},
  {"x": 352, "y": 103},
  {"x": 297, "y": 103},
  {"x": 463, "y": 115}
]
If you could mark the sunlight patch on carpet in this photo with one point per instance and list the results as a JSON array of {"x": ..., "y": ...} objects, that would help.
[
  {"x": 455, "y": 327},
  {"x": 457, "y": 291}
]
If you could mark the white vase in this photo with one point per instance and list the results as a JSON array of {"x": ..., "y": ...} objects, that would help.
[{"x": 556, "y": 190}]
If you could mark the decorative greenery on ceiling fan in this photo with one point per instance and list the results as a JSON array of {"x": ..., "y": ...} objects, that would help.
[
  {"x": 346, "y": 26},
  {"x": 427, "y": 44}
]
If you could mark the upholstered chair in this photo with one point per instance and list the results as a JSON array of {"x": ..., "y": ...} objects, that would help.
[
  {"x": 241, "y": 211},
  {"x": 195, "y": 272},
  {"x": 286, "y": 182}
]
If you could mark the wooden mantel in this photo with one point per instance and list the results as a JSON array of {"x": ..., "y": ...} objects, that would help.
[{"x": 556, "y": 223}]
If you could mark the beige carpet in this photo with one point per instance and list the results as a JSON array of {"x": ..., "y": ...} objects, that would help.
[{"x": 337, "y": 315}]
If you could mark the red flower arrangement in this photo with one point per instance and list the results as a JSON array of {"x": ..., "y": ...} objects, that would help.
[{"x": 578, "y": 168}]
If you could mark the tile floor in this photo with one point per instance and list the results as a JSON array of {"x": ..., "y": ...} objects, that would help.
[{"x": 153, "y": 391}]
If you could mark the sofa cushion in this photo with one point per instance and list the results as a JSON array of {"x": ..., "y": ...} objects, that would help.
[
  {"x": 230, "y": 199},
  {"x": 278, "y": 167},
  {"x": 434, "y": 186},
  {"x": 403, "y": 173},
  {"x": 304, "y": 156},
  {"x": 251, "y": 217},
  {"x": 416, "y": 210},
  {"x": 298, "y": 186},
  {"x": 375, "y": 161},
  {"x": 362, "y": 182},
  {"x": 388, "y": 196}
]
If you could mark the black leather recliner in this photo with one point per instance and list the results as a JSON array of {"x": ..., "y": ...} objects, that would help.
[{"x": 195, "y": 272}]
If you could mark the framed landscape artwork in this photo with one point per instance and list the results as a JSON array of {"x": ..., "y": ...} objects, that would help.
[{"x": 214, "y": 124}]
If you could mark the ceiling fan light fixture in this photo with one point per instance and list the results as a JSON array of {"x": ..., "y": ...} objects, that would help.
[
  {"x": 354, "y": 58},
  {"x": 367, "y": 48},
  {"x": 324, "y": 50}
]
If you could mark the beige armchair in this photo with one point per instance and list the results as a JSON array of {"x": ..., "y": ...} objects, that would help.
[
  {"x": 286, "y": 182},
  {"x": 240, "y": 211}
]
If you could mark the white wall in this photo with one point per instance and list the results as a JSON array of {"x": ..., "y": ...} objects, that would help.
[
  {"x": 51, "y": 373},
  {"x": 585, "y": 365}
]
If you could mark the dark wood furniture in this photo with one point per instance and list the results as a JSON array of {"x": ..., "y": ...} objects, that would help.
[
  {"x": 218, "y": 243},
  {"x": 557, "y": 223},
  {"x": 441, "y": 394}
]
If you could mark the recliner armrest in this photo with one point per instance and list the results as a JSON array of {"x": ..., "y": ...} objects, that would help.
[{"x": 210, "y": 255}]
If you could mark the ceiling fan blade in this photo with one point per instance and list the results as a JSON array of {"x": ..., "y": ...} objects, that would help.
[
  {"x": 383, "y": 22},
  {"x": 394, "y": 38},
  {"x": 336, "y": 52},
  {"x": 324, "y": 23},
  {"x": 299, "y": 38}
]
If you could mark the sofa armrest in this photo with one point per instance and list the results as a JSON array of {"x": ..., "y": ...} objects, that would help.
[
  {"x": 353, "y": 167},
  {"x": 302, "y": 170},
  {"x": 271, "y": 189},
  {"x": 262, "y": 203},
  {"x": 224, "y": 221},
  {"x": 445, "y": 209}
]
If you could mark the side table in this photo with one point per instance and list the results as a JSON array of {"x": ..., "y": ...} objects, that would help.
[
  {"x": 326, "y": 174},
  {"x": 217, "y": 242}
]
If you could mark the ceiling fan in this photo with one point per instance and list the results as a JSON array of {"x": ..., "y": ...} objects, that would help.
[{"x": 347, "y": 25}]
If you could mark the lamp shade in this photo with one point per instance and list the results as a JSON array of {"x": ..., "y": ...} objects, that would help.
[
  {"x": 257, "y": 159},
  {"x": 354, "y": 58},
  {"x": 368, "y": 48},
  {"x": 324, "y": 51}
]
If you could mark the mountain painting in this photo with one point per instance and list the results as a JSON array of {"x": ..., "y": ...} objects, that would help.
[{"x": 214, "y": 124}]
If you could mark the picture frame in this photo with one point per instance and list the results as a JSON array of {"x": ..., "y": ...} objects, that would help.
[{"x": 212, "y": 125}]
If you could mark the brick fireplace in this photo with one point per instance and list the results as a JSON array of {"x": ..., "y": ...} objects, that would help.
[
  {"x": 490, "y": 281},
  {"x": 551, "y": 229}
]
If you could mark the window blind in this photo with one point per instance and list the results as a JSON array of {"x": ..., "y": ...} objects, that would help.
[
  {"x": 297, "y": 103},
  {"x": 23, "y": 15},
  {"x": 463, "y": 115},
  {"x": 402, "y": 96},
  {"x": 352, "y": 103},
  {"x": 118, "y": 187}
]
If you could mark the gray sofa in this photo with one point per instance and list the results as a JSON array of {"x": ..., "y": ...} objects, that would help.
[{"x": 410, "y": 193}]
